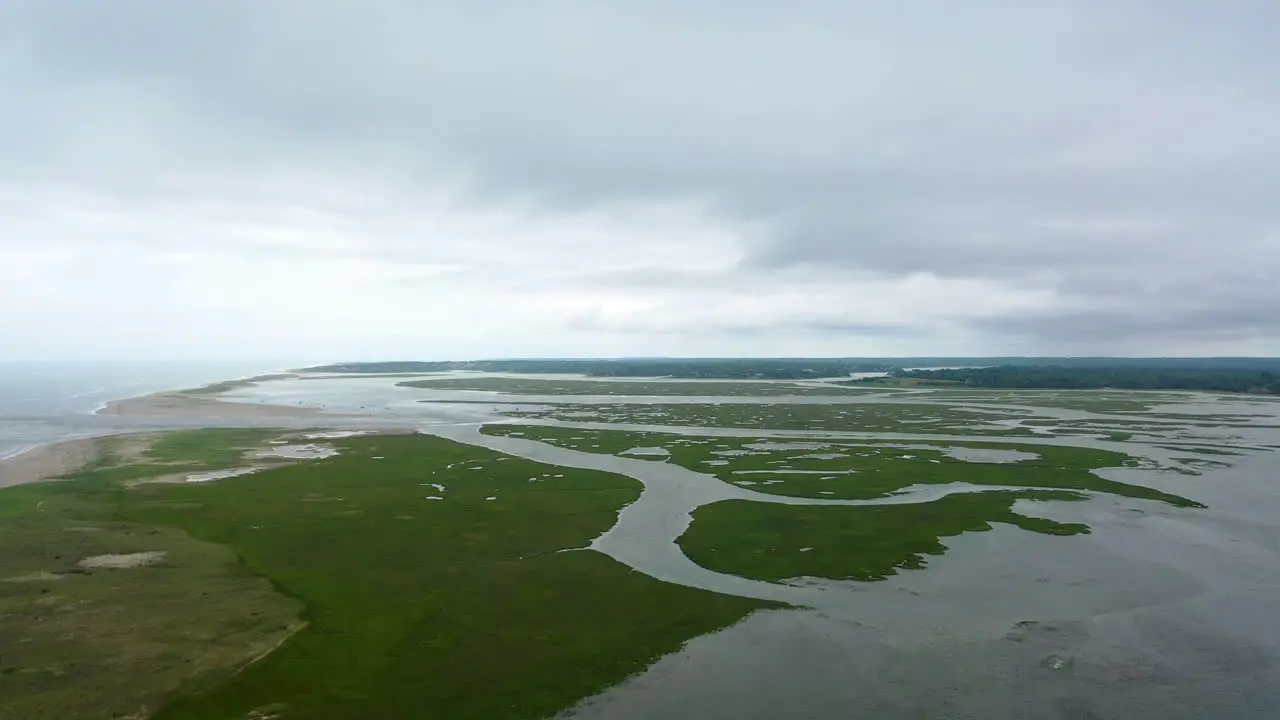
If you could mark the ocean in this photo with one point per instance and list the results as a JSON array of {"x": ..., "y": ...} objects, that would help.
[{"x": 47, "y": 402}]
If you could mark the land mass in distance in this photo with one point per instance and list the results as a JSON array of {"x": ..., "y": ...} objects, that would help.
[{"x": 1219, "y": 374}]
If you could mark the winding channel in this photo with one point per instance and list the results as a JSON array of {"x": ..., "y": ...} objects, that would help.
[
  {"x": 646, "y": 532},
  {"x": 645, "y": 536}
]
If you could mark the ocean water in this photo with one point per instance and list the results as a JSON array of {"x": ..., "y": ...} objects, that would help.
[{"x": 47, "y": 402}]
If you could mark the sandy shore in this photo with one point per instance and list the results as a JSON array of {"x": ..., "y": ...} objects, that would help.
[
  {"x": 176, "y": 404},
  {"x": 54, "y": 460},
  {"x": 48, "y": 461},
  {"x": 57, "y": 459}
]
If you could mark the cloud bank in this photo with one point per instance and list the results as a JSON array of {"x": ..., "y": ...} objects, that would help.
[{"x": 329, "y": 179}]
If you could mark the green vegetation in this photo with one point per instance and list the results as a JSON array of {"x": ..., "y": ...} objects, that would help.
[
  {"x": 545, "y": 386},
  {"x": 129, "y": 458},
  {"x": 353, "y": 587},
  {"x": 841, "y": 469},
  {"x": 79, "y": 642},
  {"x": 778, "y": 542},
  {"x": 837, "y": 416},
  {"x": 208, "y": 448},
  {"x": 1098, "y": 401},
  {"x": 1217, "y": 379},
  {"x": 455, "y": 608},
  {"x": 989, "y": 412}
]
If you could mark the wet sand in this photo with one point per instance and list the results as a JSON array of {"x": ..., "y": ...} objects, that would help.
[{"x": 48, "y": 462}]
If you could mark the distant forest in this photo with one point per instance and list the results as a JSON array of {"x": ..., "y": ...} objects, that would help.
[
  {"x": 1224, "y": 374},
  {"x": 1135, "y": 377}
]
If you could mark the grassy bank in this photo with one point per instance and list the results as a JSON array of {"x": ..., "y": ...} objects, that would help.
[
  {"x": 835, "y": 417},
  {"x": 945, "y": 412},
  {"x": 79, "y": 641},
  {"x": 857, "y": 470},
  {"x": 461, "y": 607},
  {"x": 776, "y": 542}
]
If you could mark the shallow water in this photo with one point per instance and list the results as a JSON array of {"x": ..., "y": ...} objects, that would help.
[
  {"x": 1159, "y": 613},
  {"x": 48, "y": 402},
  {"x": 645, "y": 535},
  {"x": 988, "y": 455}
]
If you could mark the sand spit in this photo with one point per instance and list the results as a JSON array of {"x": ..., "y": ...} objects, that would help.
[{"x": 176, "y": 404}]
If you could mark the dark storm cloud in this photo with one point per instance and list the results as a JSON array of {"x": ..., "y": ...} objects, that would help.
[{"x": 1122, "y": 156}]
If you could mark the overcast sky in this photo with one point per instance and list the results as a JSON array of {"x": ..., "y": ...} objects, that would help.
[{"x": 329, "y": 180}]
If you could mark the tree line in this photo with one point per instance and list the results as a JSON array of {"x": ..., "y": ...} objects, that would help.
[{"x": 1098, "y": 378}]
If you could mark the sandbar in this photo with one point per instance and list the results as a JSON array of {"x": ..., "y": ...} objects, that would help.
[{"x": 177, "y": 404}]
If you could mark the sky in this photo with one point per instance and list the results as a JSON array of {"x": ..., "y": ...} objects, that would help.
[{"x": 344, "y": 180}]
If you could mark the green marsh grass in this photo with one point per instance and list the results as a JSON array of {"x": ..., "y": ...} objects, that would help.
[{"x": 463, "y": 607}]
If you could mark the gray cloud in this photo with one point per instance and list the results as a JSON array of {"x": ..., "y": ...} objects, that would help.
[{"x": 1081, "y": 176}]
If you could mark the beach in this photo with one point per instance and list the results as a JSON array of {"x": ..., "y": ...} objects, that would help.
[
  {"x": 52, "y": 460},
  {"x": 48, "y": 461}
]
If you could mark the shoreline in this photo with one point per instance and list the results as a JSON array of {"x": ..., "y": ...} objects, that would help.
[
  {"x": 211, "y": 388},
  {"x": 49, "y": 461},
  {"x": 207, "y": 390}
]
